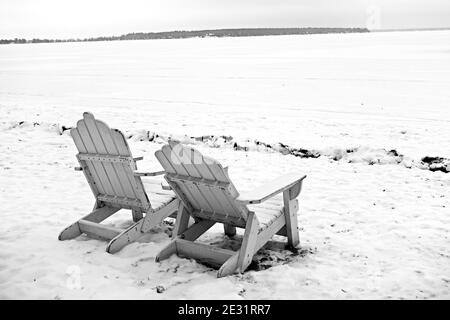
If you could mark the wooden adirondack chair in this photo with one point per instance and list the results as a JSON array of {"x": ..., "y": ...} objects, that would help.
[
  {"x": 207, "y": 194},
  {"x": 106, "y": 161}
]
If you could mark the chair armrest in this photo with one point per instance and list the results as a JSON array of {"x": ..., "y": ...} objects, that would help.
[
  {"x": 138, "y": 158},
  {"x": 269, "y": 189},
  {"x": 148, "y": 174}
]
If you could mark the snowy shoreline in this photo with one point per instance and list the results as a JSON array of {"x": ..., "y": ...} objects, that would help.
[{"x": 360, "y": 154}]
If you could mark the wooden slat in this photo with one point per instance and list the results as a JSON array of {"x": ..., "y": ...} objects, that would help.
[
  {"x": 148, "y": 174},
  {"x": 202, "y": 167},
  {"x": 70, "y": 232},
  {"x": 204, "y": 191},
  {"x": 266, "y": 234},
  {"x": 181, "y": 190},
  {"x": 167, "y": 251},
  {"x": 178, "y": 164},
  {"x": 90, "y": 174},
  {"x": 119, "y": 168},
  {"x": 210, "y": 189},
  {"x": 199, "y": 186},
  {"x": 203, "y": 181},
  {"x": 164, "y": 162},
  {"x": 290, "y": 212},
  {"x": 113, "y": 158},
  {"x": 225, "y": 196},
  {"x": 216, "y": 169},
  {"x": 181, "y": 195},
  {"x": 152, "y": 219},
  {"x": 198, "y": 195},
  {"x": 209, "y": 194},
  {"x": 196, "y": 230},
  {"x": 123, "y": 149},
  {"x": 100, "y": 214},
  {"x": 195, "y": 179},
  {"x": 204, "y": 253},
  {"x": 121, "y": 201},
  {"x": 93, "y": 176},
  {"x": 229, "y": 230},
  {"x": 137, "y": 214},
  {"x": 174, "y": 160},
  {"x": 127, "y": 236},
  {"x": 136, "y": 182},
  {"x": 90, "y": 148},
  {"x": 136, "y": 230},
  {"x": 229, "y": 267},
  {"x": 182, "y": 221},
  {"x": 98, "y": 230},
  {"x": 97, "y": 139},
  {"x": 271, "y": 188},
  {"x": 235, "y": 221},
  {"x": 229, "y": 202},
  {"x": 248, "y": 243}
]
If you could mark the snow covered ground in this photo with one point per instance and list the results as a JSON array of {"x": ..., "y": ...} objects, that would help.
[{"x": 367, "y": 231}]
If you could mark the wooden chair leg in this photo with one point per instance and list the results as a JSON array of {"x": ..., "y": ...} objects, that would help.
[
  {"x": 242, "y": 258},
  {"x": 182, "y": 221},
  {"x": 100, "y": 214},
  {"x": 131, "y": 234},
  {"x": 97, "y": 216},
  {"x": 169, "y": 250},
  {"x": 152, "y": 219},
  {"x": 249, "y": 242},
  {"x": 229, "y": 267},
  {"x": 290, "y": 213},
  {"x": 70, "y": 232},
  {"x": 137, "y": 230},
  {"x": 137, "y": 215},
  {"x": 230, "y": 230},
  {"x": 191, "y": 234}
]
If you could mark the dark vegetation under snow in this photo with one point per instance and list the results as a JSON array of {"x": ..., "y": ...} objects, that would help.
[{"x": 250, "y": 32}]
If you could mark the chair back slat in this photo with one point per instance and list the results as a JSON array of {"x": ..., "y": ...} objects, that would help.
[
  {"x": 120, "y": 173},
  {"x": 136, "y": 182},
  {"x": 91, "y": 172},
  {"x": 90, "y": 148},
  {"x": 186, "y": 168},
  {"x": 110, "y": 178},
  {"x": 203, "y": 182},
  {"x": 97, "y": 139},
  {"x": 165, "y": 159},
  {"x": 219, "y": 200}
]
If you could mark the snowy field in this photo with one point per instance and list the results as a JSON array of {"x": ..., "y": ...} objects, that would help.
[{"x": 374, "y": 223}]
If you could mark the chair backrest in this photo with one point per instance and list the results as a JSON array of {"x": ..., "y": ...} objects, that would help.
[
  {"x": 108, "y": 165},
  {"x": 202, "y": 184}
]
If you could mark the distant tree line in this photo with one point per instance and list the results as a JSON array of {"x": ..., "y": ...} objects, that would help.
[{"x": 199, "y": 34}]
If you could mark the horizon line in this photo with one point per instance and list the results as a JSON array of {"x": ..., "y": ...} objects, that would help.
[{"x": 81, "y": 39}]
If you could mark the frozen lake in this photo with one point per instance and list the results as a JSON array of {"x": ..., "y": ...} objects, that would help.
[{"x": 381, "y": 90}]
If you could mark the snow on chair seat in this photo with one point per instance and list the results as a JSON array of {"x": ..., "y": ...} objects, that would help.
[
  {"x": 157, "y": 196},
  {"x": 268, "y": 211}
]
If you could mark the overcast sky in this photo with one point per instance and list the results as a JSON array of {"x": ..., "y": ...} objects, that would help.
[{"x": 86, "y": 18}]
